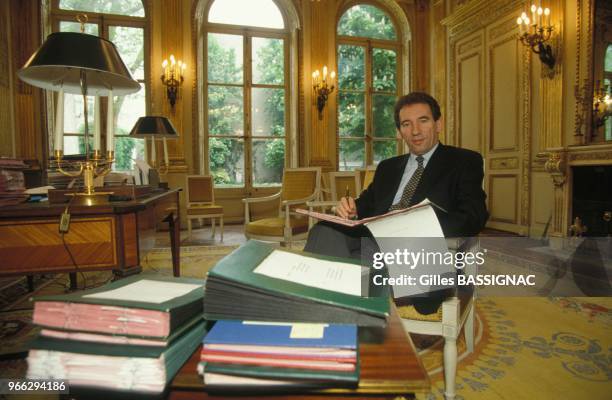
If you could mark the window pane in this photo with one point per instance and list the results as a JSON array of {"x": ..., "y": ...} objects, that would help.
[
  {"x": 351, "y": 114},
  {"x": 225, "y": 110},
  {"x": 268, "y": 61},
  {"x": 74, "y": 120},
  {"x": 366, "y": 21},
  {"x": 384, "y": 149},
  {"x": 352, "y": 154},
  {"x": 608, "y": 60},
  {"x": 74, "y": 145},
  {"x": 268, "y": 161},
  {"x": 132, "y": 8},
  {"x": 351, "y": 67},
  {"x": 384, "y": 70},
  {"x": 382, "y": 116},
  {"x": 127, "y": 150},
  {"x": 263, "y": 13},
  {"x": 226, "y": 158},
  {"x": 130, "y": 44},
  {"x": 224, "y": 58},
  {"x": 268, "y": 112},
  {"x": 66, "y": 26},
  {"x": 128, "y": 109}
]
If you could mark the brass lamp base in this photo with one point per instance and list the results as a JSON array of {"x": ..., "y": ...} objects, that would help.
[{"x": 90, "y": 199}]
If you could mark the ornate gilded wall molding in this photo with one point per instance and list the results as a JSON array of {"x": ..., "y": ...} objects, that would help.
[
  {"x": 465, "y": 47},
  {"x": 600, "y": 156},
  {"x": 475, "y": 15},
  {"x": 504, "y": 163},
  {"x": 556, "y": 166},
  {"x": 502, "y": 29}
]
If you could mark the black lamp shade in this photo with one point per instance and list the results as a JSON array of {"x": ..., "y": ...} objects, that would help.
[
  {"x": 59, "y": 61},
  {"x": 153, "y": 126}
]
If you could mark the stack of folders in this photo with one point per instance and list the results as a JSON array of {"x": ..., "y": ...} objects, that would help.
[
  {"x": 130, "y": 335},
  {"x": 258, "y": 282},
  {"x": 249, "y": 355}
]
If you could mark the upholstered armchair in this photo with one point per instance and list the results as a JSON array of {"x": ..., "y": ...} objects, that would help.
[{"x": 299, "y": 186}]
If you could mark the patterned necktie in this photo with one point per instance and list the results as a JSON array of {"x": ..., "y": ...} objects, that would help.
[{"x": 410, "y": 187}]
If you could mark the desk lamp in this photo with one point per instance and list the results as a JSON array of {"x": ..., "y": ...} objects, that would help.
[{"x": 78, "y": 63}]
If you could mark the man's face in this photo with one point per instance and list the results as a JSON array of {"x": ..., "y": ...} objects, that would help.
[{"x": 418, "y": 128}]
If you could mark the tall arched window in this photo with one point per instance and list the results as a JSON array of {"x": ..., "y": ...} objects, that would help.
[
  {"x": 246, "y": 93},
  {"x": 124, "y": 23},
  {"x": 369, "y": 81}
]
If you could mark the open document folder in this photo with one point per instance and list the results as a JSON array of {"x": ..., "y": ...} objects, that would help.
[
  {"x": 411, "y": 243},
  {"x": 258, "y": 282}
]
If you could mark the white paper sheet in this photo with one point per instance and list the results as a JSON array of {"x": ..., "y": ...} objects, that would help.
[
  {"x": 147, "y": 291},
  {"x": 329, "y": 275},
  {"x": 420, "y": 222}
]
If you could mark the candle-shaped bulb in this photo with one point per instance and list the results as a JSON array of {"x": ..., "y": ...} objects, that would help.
[
  {"x": 110, "y": 133},
  {"x": 332, "y": 75},
  {"x": 97, "y": 134},
  {"x": 324, "y": 73},
  {"x": 164, "y": 63},
  {"x": 524, "y": 16},
  {"x": 540, "y": 11},
  {"x": 172, "y": 59},
  {"x": 519, "y": 21},
  {"x": 533, "y": 8},
  {"x": 59, "y": 122}
]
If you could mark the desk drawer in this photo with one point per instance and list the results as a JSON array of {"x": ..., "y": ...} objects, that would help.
[{"x": 36, "y": 245}]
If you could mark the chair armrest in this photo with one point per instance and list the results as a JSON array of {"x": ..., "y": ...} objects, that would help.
[
  {"x": 261, "y": 199},
  {"x": 299, "y": 201},
  {"x": 249, "y": 200},
  {"x": 327, "y": 203}
]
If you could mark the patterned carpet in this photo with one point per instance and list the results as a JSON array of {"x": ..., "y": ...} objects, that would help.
[{"x": 526, "y": 348}]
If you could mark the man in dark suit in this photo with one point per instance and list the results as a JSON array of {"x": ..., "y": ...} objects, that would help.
[{"x": 448, "y": 176}]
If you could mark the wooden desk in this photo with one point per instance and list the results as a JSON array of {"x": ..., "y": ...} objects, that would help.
[
  {"x": 389, "y": 369},
  {"x": 113, "y": 236}
]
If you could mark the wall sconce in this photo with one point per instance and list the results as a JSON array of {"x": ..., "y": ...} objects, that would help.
[
  {"x": 172, "y": 77},
  {"x": 322, "y": 88},
  {"x": 602, "y": 104},
  {"x": 536, "y": 31}
]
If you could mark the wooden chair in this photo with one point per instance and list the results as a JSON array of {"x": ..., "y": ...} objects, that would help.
[
  {"x": 455, "y": 313},
  {"x": 366, "y": 176},
  {"x": 201, "y": 202},
  {"x": 338, "y": 183},
  {"x": 300, "y": 185}
]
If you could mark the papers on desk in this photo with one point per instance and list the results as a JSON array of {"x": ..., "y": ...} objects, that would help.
[
  {"x": 276, "y": 285},
  {"x": 329, "y": 275},
  {"x": 237, "y": 354},
  {"x": 130, "y": 335}
]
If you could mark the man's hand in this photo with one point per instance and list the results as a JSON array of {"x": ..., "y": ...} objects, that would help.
[{"x": 346, "y": 208}]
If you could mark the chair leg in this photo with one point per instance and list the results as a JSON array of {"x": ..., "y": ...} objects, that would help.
[
  {"x": 189, "y": 228},
  {"x": 212, "y": 224},
  {"x": 468, "y": 330},
  {"x": 450, "y": 367},
  {"x": 221, "y": 225}
]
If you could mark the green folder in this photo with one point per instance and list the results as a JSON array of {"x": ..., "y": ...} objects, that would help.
[
  {"x": 181, "y": 309},
  {"x": 173, "y": 356},
  {"x": 234, "y": 291},
  {"x": 253, "y": 371}
]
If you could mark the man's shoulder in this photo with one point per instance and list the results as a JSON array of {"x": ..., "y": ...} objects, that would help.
[
  {"x": 392, "y": 162},
  {"x": 461, "y": 154}
]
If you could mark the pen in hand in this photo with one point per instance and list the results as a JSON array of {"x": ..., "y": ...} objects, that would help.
[{"x": 348, "y": 196}]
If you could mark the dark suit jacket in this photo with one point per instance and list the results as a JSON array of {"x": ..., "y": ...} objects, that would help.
[{"x": 452, "y": 180}]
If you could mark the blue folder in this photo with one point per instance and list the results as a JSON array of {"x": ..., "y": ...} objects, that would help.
[{"x": 236, "y": 332}]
